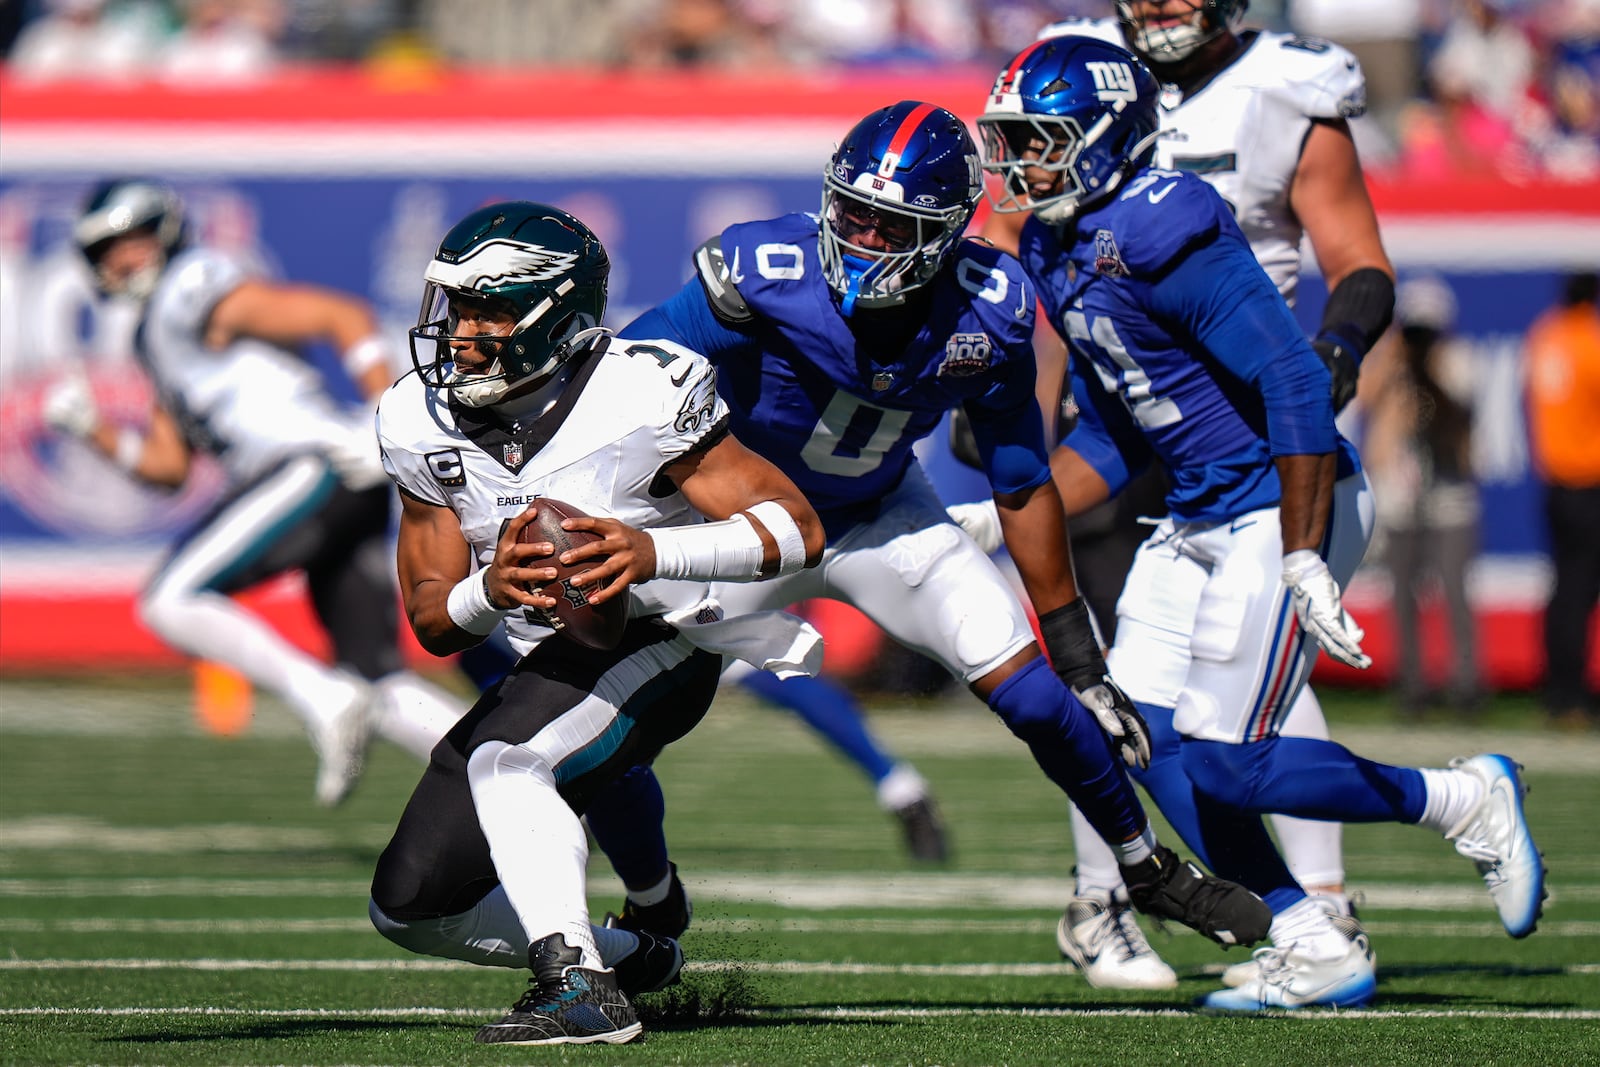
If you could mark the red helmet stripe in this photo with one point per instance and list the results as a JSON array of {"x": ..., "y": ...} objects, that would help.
[
  {"x": 1008, "y": 79},
  {"x": 908, "y": 126}
]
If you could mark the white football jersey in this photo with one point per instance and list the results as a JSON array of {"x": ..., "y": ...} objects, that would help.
[
  {"x": 249, "y": 404},
  {"x": 629, "y": 410},
  {"x": 1243, "y": 130}
]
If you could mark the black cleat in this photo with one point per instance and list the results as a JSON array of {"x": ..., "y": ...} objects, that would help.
[
  {"x": 668, "y": 919},
  {"x": 1167, "y": 887},
  {"x": 567, "y": 1004},
  {"x": 652, "y": 966},
  {"x": 924, "y": 831}
]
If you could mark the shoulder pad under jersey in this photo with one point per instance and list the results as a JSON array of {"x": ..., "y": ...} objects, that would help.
[
  {"x": 1107, "y": 30},
  {"x": 717, "y": 280},
  {"x": 1319, "y": 78},
  {"x": 1155, "y": 220}
]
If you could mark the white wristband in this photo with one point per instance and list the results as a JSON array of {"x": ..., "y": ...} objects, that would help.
[
  {"x": 784, "y": 530},
  {"x": 129, "y": 450},
  {"x": 469, "y": 606},
  {"x": 371, "y": 351},
  {"x": 727, "y": 551}
]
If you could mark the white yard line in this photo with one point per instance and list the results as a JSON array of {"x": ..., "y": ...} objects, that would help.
[
  {"x": 1488, "y": 928},
  {"x": 921, "y": 970},
  {"x": 797, "y": 890},
  {"x": 845, "y": 1014}
]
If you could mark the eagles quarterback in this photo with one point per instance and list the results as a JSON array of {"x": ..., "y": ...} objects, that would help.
[
  {"x": 1264, "y": 119},
  {"x": 840, "y": 341},
  {"x": 519, "y": 394},
  {"x": 1185, "y": 352}
]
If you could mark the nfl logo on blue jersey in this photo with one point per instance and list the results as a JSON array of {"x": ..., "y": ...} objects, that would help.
[
  {"x": 513, "y": 454},
  {"x": 1107, "y": 259}
]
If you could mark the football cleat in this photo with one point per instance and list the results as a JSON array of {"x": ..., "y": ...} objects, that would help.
[
  {"x": 1104, "y": 941},
  {"x": 340, "y": 742},
  {"x": 1496, "y": 839},
  {"x": 654, "y": 965},
  {"x": 668, "y": 919},
  {"x": 924, "y": 831},
  {"x": 1349, "y": 925},
  {"x": 1167, "y": 887},
  {"x": 1287, "y": 979},
  {"x": 566, "y": 1004}
]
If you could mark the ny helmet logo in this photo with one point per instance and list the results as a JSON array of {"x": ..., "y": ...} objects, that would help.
[{"x": 1113, "y": 83}]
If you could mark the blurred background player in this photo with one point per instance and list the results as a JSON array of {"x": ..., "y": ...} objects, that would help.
[
  {"x": 841, "y": 341},
  {"x": 305, "y": 488},
  {"x": 1416, "y": 399},
  {"x": 488, "y": 861},
  {"x": 1185, "y": 351},
  {"x": 1563, "y": 353},
  {"x": 1264, "y": 118}
]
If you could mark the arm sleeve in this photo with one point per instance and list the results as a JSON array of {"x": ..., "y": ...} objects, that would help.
[
  {"x": 687, "y": 318},
  {"x": 1105, "y": 435},
  {"x": 1007, "y": 428},
  {"x": 1224, "y": 300}
]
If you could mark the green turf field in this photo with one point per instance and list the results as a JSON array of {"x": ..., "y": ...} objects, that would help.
[{"x": 168, "y": 897}]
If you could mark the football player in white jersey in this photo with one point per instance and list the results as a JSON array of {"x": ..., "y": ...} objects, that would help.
[
  {"x": 305, "y": 487},
  {"x": 488, "y": 861},
  {"x": 1262, "y": 117}
]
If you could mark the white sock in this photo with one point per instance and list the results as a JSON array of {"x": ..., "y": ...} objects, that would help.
[
  {"x": 415, "y": 714},
  {"x": 1139, "y": 849},
  {"x": 1097, "y": 871},
  {"x": 1304, "y": 928},
  {"x": 901, "y": 787},
  {"x": 1453, "y": 797},
  {"x": 537, "y": 843},
  {"x": 654, "y": 894}
]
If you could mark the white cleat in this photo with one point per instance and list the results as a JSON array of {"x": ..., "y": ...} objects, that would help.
[
  {"x": 1104, "y": 941},
  {"x": 1496, "y": 839},
  {"x": 1286, "y": 979},
  {"x": 1242, "y": 974},
  {"x": 340, "y": 742}
]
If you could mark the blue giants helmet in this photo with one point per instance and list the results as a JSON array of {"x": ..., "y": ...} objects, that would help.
[
  {"x": 1068, "y": 118},
  {"x": 911, "y": 174}
]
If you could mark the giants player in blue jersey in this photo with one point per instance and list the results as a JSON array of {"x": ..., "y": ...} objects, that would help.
[
  {"x": 839, "y": 342},
  {"x": 1185, "y": 352}
]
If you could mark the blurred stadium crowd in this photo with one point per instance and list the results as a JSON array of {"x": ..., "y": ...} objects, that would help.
[{"x": 1503, "y": 88}]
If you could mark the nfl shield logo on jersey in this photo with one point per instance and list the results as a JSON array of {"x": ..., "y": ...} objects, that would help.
[
  {"x": 512, "y": 453},
  {"x": 1107, "y": 259}
]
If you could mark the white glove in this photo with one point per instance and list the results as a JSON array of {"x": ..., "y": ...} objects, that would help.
[
  {"x": 69, "y": 406},
  {"x": 1120, "y": 720},
  {"x": 356, "y": 458},
  {"x": 1316, "y": 602},
  {"x": 981, "y": 520}
]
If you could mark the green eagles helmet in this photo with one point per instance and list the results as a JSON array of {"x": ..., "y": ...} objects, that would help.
[{"x": 539, "y": 264}]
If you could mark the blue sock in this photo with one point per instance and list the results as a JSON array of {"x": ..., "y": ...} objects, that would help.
[
  {"x": 829, "y": 710},
  {"x": 1304, "y": 777},
  {"x": 1235, "y": 845},
  {"x": 1069, "y": 746},
  {"x": 627, "y": 820}
]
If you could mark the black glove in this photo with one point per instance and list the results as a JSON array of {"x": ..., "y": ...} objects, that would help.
[
  {"x": 1341, "y": 363},
  {"x": 1074, "y": 651}
]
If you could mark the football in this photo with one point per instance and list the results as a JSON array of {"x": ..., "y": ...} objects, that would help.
[{"x": 598, "y": 627}]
